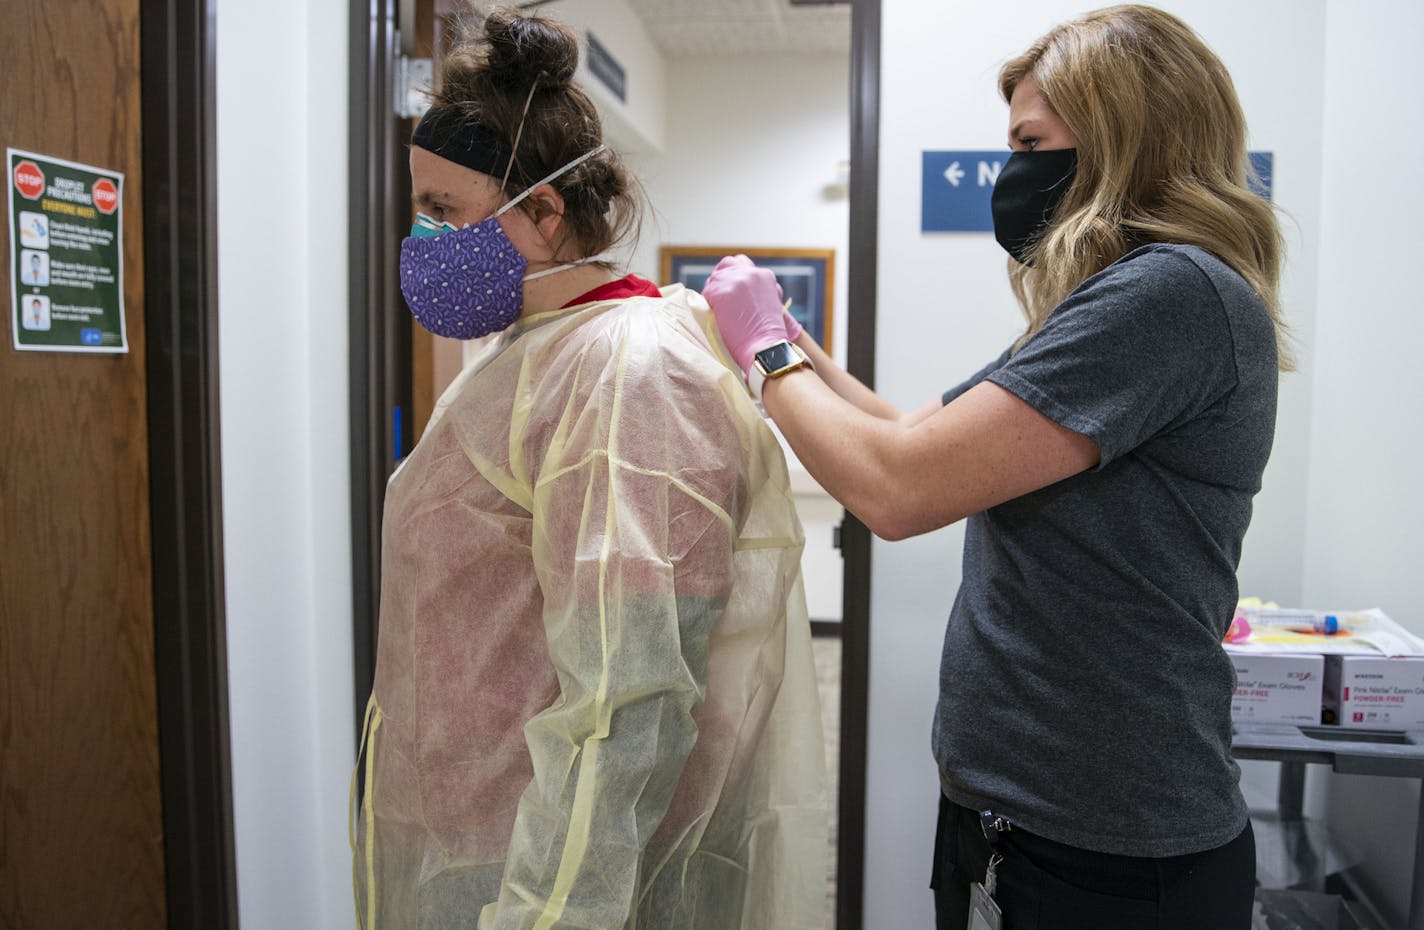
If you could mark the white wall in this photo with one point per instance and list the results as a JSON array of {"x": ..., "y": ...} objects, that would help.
[
  {"x": 944, "y": 309},
  {"x": 1364, "y": 513},
  {"x": 758, "y": 177},
  {"x": 636, "y": 124},
  {"x": 282, "y": 219}
]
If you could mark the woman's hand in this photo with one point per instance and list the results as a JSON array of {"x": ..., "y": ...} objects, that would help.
[{"x": 745, "y": 301}]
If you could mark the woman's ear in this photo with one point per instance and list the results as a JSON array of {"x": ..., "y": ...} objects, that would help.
[{"x": 548, "y": 213}]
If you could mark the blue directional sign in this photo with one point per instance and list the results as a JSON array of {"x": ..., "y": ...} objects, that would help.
[{"x": 955, "y": 187}]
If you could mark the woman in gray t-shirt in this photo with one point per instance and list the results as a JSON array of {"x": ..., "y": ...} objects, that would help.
[{"x": 1105, "y": 463}]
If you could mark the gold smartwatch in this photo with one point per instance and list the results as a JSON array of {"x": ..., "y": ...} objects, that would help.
[{"x": 775, "y": 360}]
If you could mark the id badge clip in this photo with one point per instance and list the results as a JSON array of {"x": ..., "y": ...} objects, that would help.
[{"x": 984, "y": 913}]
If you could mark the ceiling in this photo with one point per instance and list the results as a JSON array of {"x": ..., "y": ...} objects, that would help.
[{"x": 733, "y": 27}]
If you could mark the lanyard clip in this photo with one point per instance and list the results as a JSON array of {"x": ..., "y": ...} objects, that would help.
[{"x": 992, "y": 825}]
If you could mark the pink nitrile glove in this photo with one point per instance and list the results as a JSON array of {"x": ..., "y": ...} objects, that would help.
[
  {"x": 794, "y": 329},
  {"x": 744, "y": 301},
  {"x": 793, "y": 326}
]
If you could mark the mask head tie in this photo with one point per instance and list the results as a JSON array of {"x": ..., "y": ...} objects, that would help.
[
  {"x": 518, "y": 134},
  {"x": 551, "y": 176}
]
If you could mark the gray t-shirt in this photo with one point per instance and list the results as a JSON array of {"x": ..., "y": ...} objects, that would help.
[{"x": 1084, "y": 693}]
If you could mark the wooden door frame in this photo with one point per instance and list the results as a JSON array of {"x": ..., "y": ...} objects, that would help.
[{"x": 185, "y": 483}]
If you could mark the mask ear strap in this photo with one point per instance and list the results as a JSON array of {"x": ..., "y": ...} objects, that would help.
[
  {"x": 518, "y": 134},
  {"x": 550, "y": 176}
]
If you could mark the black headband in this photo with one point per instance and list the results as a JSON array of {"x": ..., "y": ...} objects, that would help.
[{"x": 445, "y": 132}]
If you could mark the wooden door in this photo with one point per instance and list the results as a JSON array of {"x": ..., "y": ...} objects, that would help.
[{"x": 81, "y": 832}]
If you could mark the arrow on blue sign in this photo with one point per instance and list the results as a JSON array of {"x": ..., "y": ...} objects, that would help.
[
  {"x": 949, "y": 202},
  {"x": 954, "y": 196}
]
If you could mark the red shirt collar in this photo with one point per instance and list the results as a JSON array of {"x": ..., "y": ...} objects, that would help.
[{"x": 627, "y": 286}]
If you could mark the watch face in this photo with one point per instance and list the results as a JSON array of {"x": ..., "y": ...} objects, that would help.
[{"x": 774, "y": 358}]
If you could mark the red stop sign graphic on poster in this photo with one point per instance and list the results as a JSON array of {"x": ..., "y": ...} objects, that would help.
[
  {"x": 106, "y": 195},
  {"x": 29, "y": 180}
]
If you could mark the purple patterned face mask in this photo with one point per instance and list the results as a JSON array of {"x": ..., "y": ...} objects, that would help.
[{"x": 467, "y": 283}]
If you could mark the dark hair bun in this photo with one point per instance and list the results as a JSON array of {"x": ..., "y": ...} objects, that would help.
[
  {"x": 605, "y": 179},
  {"x": 523, "y": 49}
]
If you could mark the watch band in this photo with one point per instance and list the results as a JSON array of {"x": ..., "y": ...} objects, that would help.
[{"x": 776, "y": 360}]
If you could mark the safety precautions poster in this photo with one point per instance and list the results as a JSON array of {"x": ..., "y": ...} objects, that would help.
[{"x": 66, "y": 255}]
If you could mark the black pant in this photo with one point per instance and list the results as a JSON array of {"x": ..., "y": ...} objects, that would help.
[{"x": 1043, "y": 885}]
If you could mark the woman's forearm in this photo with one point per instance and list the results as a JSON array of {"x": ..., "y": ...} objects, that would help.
[
  {"x": 839, "y": 442},
  {"x": 902, "y": 477},
  {"x": 846, "y": 385},
  {"x": 850, "y": 389}
]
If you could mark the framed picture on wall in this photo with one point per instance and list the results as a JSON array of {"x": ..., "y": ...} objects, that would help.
[{"x": 805, "y": 276}]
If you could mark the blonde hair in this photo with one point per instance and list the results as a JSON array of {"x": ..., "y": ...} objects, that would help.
[{"x": 1161, "y": 143}]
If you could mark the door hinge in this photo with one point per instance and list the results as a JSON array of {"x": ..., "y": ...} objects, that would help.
[{"x": 414, "y": 79}]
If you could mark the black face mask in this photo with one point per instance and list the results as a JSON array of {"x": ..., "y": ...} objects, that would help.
[{"x": 1026, "y": 195}]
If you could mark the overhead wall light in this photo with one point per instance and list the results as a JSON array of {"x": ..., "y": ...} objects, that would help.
[{"x": 839, "y": 189}]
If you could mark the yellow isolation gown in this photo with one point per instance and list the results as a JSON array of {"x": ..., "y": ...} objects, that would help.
[{"x": 594, "y": 704}]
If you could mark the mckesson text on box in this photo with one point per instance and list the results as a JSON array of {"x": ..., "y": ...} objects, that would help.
[{"x": 1373, "y": 692}]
